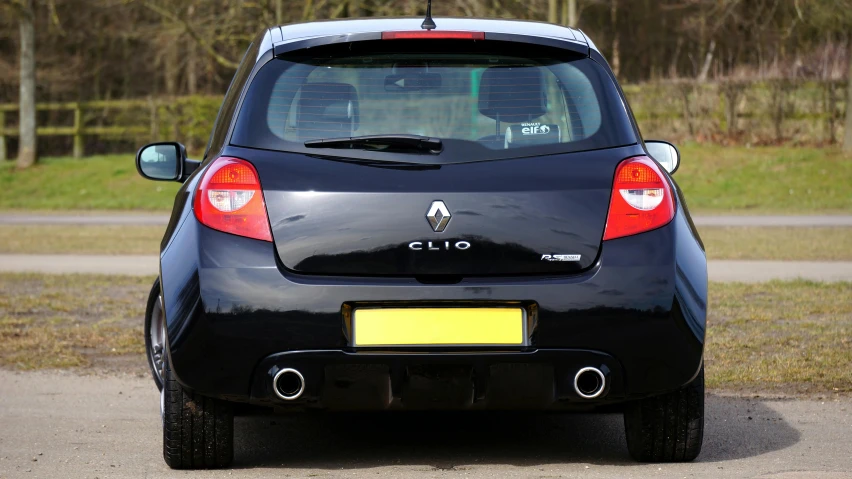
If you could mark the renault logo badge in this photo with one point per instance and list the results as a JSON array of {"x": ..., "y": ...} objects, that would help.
[{"x": 438, "y": 216}]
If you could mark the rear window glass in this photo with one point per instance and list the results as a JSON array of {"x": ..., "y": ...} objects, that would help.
[{"x": 479, "y": 103}]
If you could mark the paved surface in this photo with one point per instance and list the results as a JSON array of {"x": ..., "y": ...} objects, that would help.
[
  {"x": 758, "y": 271},
  {"x": 135, "y": 265},
  {"x": 161, "y": 219},
  {"x": 719, "y": 270},
  {"x": 58, "y": 425}
]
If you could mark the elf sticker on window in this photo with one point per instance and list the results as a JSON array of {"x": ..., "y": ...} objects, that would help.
[
  {"x": 534, "y": 129},
  {"x": 528, "y": 134}
]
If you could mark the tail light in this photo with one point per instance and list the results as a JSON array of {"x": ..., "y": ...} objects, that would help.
[
  {"x": 229, "y": 199},
  {"x": 641, "y": 199}
]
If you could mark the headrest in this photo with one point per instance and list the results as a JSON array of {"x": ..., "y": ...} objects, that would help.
[
  {"x": 512, "y": 94},
  {"x": 327, "y": 110}
]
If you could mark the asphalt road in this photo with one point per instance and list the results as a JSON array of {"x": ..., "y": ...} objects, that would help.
[
  {"x": 60, "y": 425},
  {"x": 718, "y": 270},
  {"x": 38, "y": 218}
]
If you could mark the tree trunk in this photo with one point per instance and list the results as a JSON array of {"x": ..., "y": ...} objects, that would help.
[
  {"x": 27, "y": 154},
  {"x": 572, "y": 13},
  {"x": 191, "y": 59},
  {"x": 847, "y": 135},
  {"x": 552, "y": 11},
  {"x": 170, "y": 66},
  {"x": 279, "y": 12},
  {"x": 708, "y": 60},
  {"x": 616, "y": 53}
]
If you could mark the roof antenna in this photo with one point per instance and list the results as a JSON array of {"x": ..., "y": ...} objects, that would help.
[{"x": 428, "y": 23}]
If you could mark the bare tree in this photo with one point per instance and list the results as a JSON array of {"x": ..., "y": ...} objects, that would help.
[
  {"x": 708, "y": 60},
  {"x": 616, "y": 53},
  {"x": 27, "y": 153}
]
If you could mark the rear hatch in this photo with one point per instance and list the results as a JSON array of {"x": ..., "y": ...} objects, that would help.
[
  {"x": 506, "y": 217},
  {"x": 519, "y": 183}
]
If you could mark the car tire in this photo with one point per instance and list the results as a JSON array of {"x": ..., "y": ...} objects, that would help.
[
  {"x": 198, "y": 431},
  {"x": 667, "y": 428},
  {"x": 152, "y": 307}
]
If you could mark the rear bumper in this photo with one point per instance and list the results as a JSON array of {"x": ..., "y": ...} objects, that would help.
[
  {"x": 340, "y": 380},
  {"x": 232, "y": 318}
]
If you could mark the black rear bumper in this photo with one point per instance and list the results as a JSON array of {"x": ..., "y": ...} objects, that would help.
[
  {"x": 339, "y": 380},
  {"x": 640, "y": 311}
]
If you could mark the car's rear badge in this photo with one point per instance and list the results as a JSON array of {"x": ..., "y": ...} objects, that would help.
[
  {"x": 438, "y": 216},
  {"x": 560, "y": 257}
]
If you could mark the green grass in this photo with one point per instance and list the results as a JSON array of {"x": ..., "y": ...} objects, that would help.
[
  {"x": 715, "y": 179},
  {"x": 94, "y": 183},
  {"x": 765, "y": 180}
]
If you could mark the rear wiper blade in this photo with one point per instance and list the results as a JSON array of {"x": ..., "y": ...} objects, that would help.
[{"x": 418, "y": 143}]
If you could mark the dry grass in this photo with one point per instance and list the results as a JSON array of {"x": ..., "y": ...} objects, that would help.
[
  {"x": 70, "y": 321},
  {"x": 780, "y": 337},
  {"x": 90, "y": 239},
  {"x": 775, "y": 243},
  {"x": 778, "y": 243}
]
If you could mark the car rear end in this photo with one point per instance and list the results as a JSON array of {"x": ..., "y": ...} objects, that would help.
[{"x": 536, "y": 259}]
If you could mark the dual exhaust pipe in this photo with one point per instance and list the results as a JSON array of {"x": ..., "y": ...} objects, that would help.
[{"x": 289, "y": 384}]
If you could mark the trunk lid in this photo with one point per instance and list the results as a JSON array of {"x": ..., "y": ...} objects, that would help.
[{"x": 506, "y": 217}]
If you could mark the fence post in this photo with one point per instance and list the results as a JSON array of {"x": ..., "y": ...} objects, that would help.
[
  {"x": 3, "y": 135},
  {"x": 78, "y": 131},
  {"x": 152, "y": 105}
]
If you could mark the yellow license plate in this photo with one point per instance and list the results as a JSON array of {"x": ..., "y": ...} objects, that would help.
[{"x": 438, "y": 327}]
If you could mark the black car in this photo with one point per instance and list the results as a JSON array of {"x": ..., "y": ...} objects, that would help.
[{"x": 396, "y": 218}]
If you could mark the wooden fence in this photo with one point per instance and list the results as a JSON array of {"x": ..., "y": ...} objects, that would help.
[
  {"x": 78, "y": 131},
  {"x": 143, "y": 120},
  {"x": 771, "y": 111}
]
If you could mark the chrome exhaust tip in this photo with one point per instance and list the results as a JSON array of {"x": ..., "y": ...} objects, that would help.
[
  {"x": 589, "y": 382},
  {"x": 288, "y": 384}
]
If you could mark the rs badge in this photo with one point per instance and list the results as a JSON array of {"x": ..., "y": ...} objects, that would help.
[{"x": 560, "y": 257}]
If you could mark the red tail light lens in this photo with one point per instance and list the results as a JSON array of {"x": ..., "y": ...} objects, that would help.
[
  {"x": 641, "y": 199},
  {"x": 433, "y": 35},
  {"x": 229, "y": 199}
]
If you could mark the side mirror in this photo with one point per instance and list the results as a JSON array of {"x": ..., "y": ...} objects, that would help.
[
  {"x": 665, "y": 153},
  {"x": 161, "y": 161}
]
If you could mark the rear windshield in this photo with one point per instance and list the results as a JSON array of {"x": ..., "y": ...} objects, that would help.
[{"x": 482, "y": 104}]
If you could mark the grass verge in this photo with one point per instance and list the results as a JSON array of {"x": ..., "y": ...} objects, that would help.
[
  {"x": 94, "y": 183},
  {"x": 778, "y": 243},
  {"x": 779, "y": 338},
  {"x": 89, "y": 239},
  {"x": 72, "y": 321},
  {"x": 715, "y": 179},
  {"x": 765, "y": 180},
  {"x": 803, "y": 244}
]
